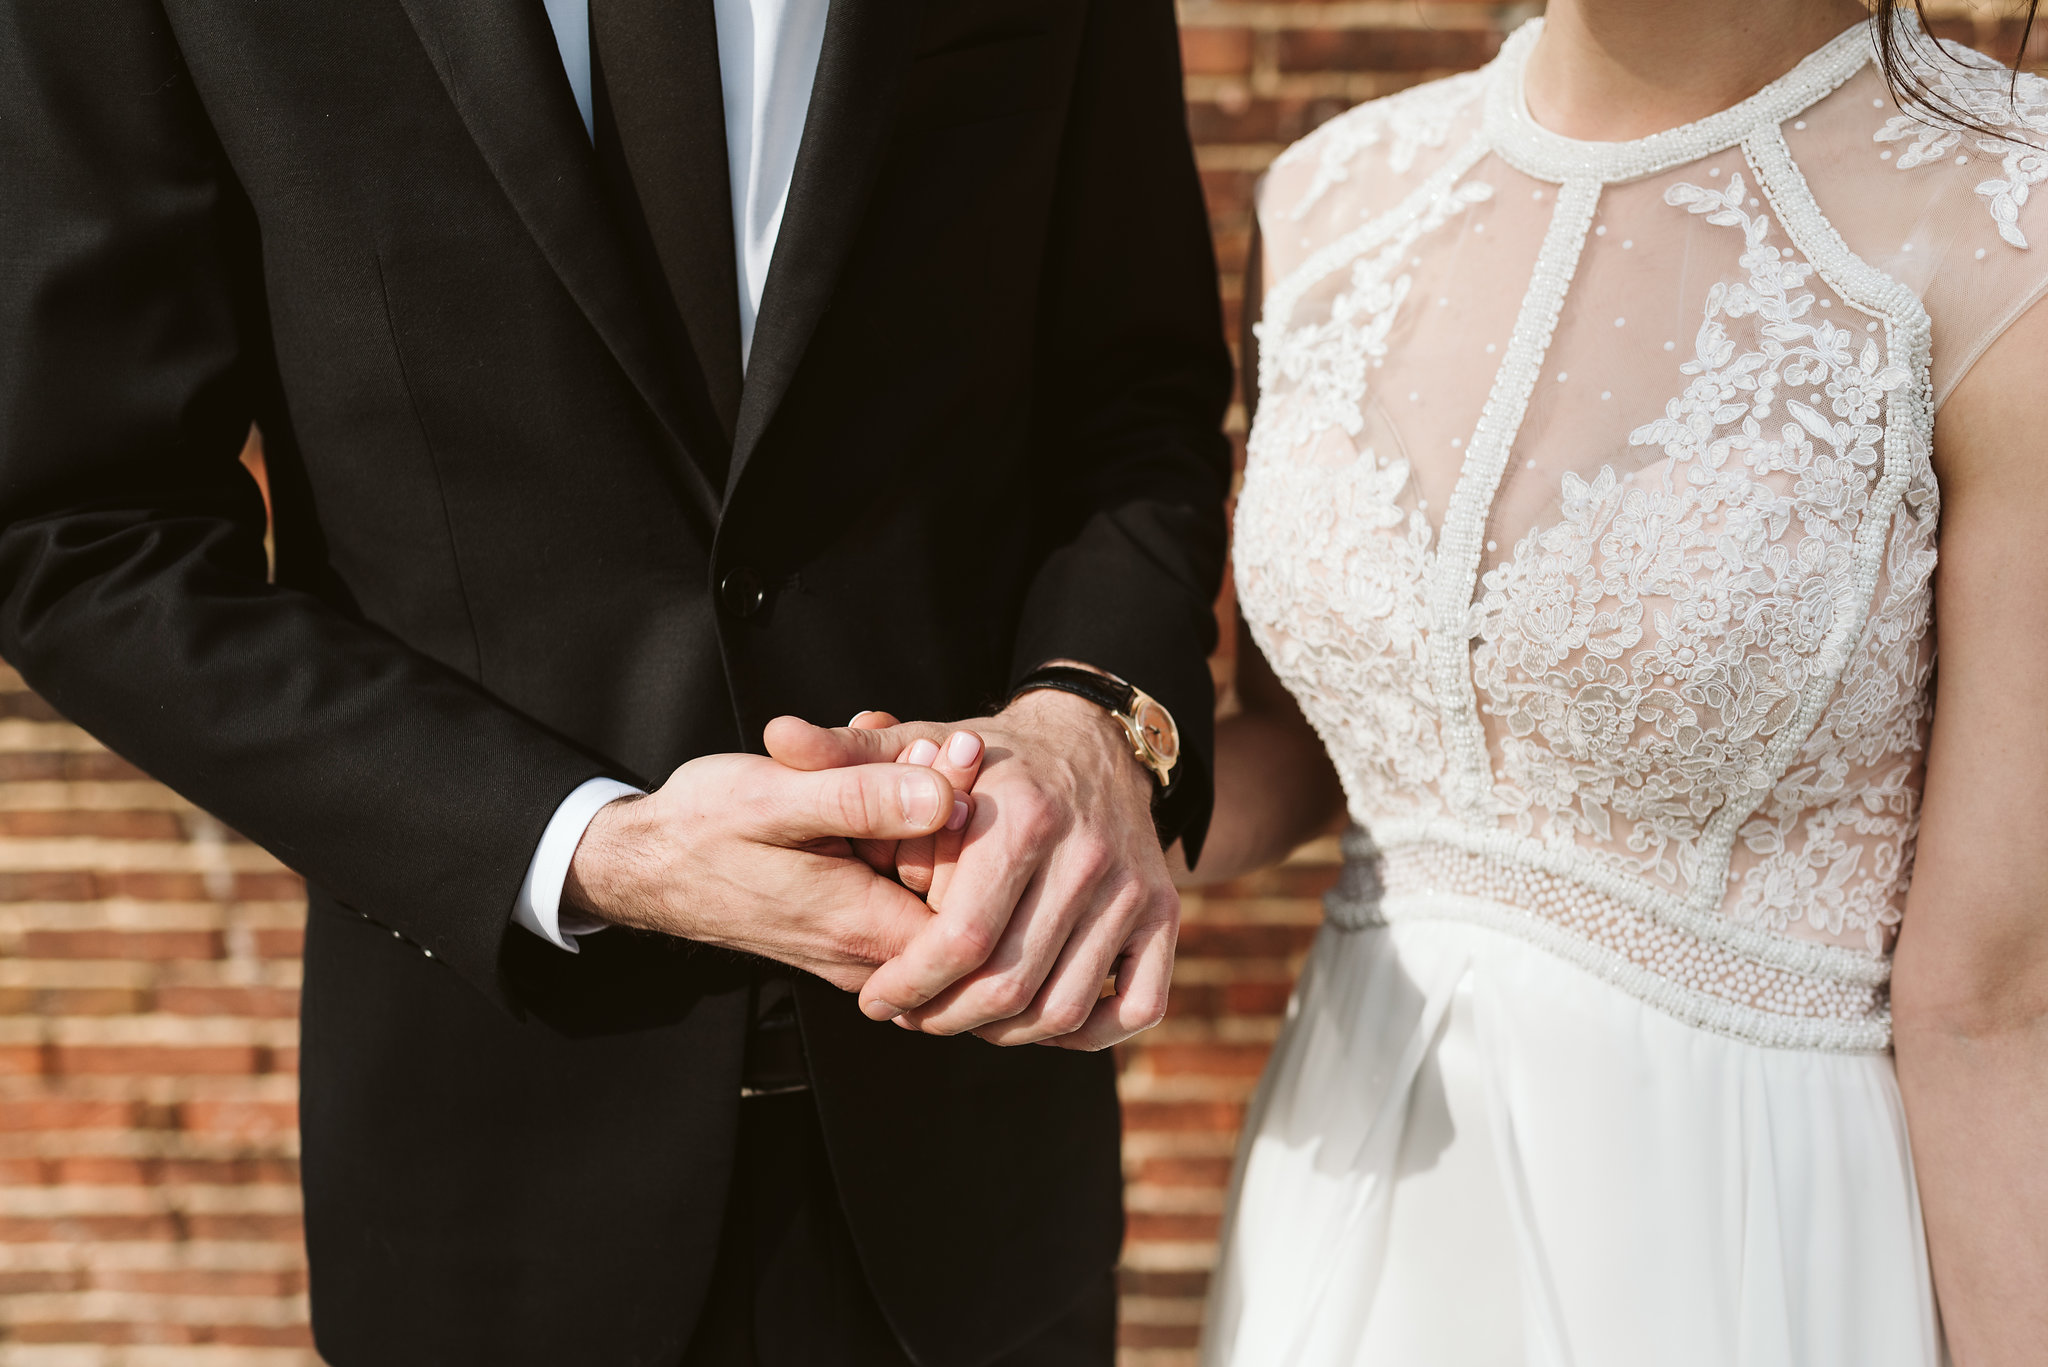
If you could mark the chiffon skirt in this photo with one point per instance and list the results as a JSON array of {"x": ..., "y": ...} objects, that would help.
[{"x": 1470, "y": 1153}]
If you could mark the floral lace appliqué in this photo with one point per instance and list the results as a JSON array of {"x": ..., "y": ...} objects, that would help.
[
  {"x": 1988, "y": 93},
  {"x": 1406, "y": 123},
  {"x": 1330, "y": 573},
  {"x": 1639, "y": 655},
  {"x": 1834, "y": 842},
  {"x": 1318, "y": 371}
]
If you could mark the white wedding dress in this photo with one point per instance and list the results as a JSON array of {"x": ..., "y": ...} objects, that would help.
[{"x": 1590, "y": 515}]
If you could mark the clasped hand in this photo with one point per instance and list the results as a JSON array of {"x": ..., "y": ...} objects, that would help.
[{"x": 986, "y": 876}]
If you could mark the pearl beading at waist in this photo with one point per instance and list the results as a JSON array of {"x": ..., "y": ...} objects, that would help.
[{"x": 1716, "y": 987}]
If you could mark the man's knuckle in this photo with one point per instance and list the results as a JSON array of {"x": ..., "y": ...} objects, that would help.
[
  {"x": 818, "y": 811},
  {"x": 867, "y": 805},
  {"x": 1008, "y": 996},
  {"x": 1037, "y": 821},
  {"x": 1096, "y": 860},
  {"x": 1147, "y": 1007},
  {"x": 966, "y": 943},
  {"x": 873, "y": 804},
  {"x": 1064, "y": 1018},
  {"x": 1160, "y": 910}
]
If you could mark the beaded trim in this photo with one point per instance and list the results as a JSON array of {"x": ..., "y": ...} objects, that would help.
[
  {"x": 1468, "y": 768},
  {"x": 1534, "y": 150},
  {"x": 1708, "y": 986},
  {"x": 1908, "y": 428},
  {"x": 1781, "y": 951}
]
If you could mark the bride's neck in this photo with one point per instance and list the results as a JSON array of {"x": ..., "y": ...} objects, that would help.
[{"x": 1612, "y": 70}]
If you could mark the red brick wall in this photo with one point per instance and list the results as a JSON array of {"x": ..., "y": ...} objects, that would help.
[
  {"x": 148, "y": 1046},
  {"x": 148, "y": 958}
]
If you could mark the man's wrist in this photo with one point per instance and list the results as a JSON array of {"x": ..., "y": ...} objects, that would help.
[
  {"x": 1151, "y": 735},
  {"x": 602, "y": 872},
  {"x": 539, "y": 907},
  {"x": 1075, "y": 719}
]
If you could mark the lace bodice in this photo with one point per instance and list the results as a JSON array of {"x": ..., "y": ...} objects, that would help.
[{"x": 1590, "y": 511}]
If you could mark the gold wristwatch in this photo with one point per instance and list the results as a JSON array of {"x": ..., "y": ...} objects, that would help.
[{"x": 1150, "y": 728}]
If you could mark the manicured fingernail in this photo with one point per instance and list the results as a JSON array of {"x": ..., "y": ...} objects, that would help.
[
  {"x": 920, "y": 799},
  {"x": 879, "y": 1010},
  {"x": 959, "y": 817},
  {"x": 963, "y": 749},
  {"x": 858, "y": 715},
  {"x": 923, "y": 752}
]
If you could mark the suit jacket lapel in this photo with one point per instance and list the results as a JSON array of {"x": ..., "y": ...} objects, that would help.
[
  {"x": 866, "y": 50},
  {"x": 499, "y": 62}
]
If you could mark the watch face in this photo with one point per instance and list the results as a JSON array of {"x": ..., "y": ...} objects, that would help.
[{"x": 1160, "y": 733}]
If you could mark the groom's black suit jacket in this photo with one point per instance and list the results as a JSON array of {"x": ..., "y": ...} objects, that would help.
[{"x": 521, "y": 541}]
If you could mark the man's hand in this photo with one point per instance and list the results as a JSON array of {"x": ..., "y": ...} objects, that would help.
[
  {"x": 742, "y": 851},
  {"x": 918, "y": 863},
  {"x": 1058, "y": 882}
]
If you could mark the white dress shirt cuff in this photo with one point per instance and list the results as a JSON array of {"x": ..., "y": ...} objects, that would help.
[{"x": 539, "y": 908}]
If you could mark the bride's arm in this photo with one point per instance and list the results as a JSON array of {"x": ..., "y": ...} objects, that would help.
[
  {"x": 1274, "y": 784},
  {"x": 1275, "y": 787},
  {"x": 1970, "y": 983}
]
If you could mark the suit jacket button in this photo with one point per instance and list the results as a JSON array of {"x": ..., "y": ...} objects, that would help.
[{"x": 741, "y": 592}]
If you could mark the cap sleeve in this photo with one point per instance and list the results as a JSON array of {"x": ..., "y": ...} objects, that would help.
[{"x": 1950, "y": 212}]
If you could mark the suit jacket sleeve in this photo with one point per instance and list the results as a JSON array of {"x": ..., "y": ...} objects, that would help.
[
  {"x": 1134, "y": 378},
  {"x": 133, "y": 357}
]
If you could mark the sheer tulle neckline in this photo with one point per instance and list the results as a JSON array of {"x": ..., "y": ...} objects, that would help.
[{"x": 1537, "y": 151}]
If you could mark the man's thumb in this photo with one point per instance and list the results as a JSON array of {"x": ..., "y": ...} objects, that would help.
[{"x": 868, "y": 802}]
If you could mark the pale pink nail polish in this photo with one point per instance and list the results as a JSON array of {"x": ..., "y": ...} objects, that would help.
[
  {"x": 963, "y": 749},
  {"x": 923, "y": 752},
  {"x": 959, "y": 817}
]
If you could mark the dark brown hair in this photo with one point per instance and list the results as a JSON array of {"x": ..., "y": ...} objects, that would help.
[{"x": 1898, "y": 43}]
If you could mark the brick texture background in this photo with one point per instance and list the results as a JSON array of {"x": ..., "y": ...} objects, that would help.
[{"x": 149, "y": 958}]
